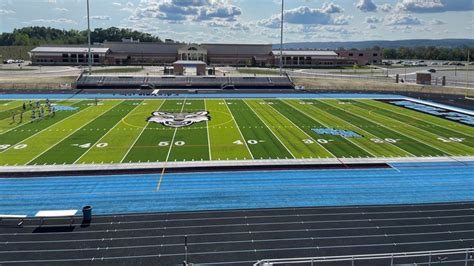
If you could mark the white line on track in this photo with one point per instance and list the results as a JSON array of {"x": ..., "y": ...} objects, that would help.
[
  {"x": 72, "y": 133},
  {"x": 245, "y": 232}
]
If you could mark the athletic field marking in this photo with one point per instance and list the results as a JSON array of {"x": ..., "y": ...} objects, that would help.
[
  {"x": 70, "y": 134},
  {"x": 139, "y": 135},
  {"x": 361, "y": 129},
  {"x": 273, "y": 133},
  {"x": 324, "y": 124},
  {"x": 60, "y": 121},
  {"x": 413, "y": 137},
  {"x": 391, "y": 129},
  {"x": 103, "y": 136},
  {"x": 311, "y": 138},
  {"x": 158, "y": 186},
  {"x": 240, "y": 132},
  {"x": 208, "y": 136},
  {"x": 396, "y": 111}
]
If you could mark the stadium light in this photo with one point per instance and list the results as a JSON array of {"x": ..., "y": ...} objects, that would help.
[
  {"x": 281, "y": 37},
  {"x": 89, "y": 39}
]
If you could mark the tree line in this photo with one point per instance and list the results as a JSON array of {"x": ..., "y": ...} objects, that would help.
[
  {"x": 34, "y": 36},
  {"x": 430, "y": 53}
]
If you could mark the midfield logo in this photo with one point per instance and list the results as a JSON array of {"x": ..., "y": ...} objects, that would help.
[{"x": 178, "y": 120}]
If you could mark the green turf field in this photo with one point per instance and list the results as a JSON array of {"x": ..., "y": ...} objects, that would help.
[{"x": 118, "y": 131}]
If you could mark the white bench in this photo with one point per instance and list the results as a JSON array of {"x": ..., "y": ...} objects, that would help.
[
  {"x": 20, "y": 218},
  {"x": 56, "y": 214}
]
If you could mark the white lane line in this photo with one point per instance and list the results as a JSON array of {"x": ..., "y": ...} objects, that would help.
[
  {"x": 139, "y": 135},
  {"x": 237, "y": 126},
  {"x": 252, "y": 251},
  {"x": 72, "y": 133},
  {"x": 246, "y": 232},
  {"x": 258, "y": 116},
  {"x": 220, "y": 226},
  {"x": 110, "y": 130}
]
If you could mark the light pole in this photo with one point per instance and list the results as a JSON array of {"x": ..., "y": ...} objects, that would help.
[
  {"x": 281, "y": 37},
  {"x": 89, "y": 39}
]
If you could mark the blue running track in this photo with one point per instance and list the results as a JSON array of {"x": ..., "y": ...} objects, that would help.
[{"x": 403, "y": 184}]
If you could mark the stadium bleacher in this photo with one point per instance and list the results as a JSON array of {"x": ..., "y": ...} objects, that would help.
[{"x": 183, "y": 82}]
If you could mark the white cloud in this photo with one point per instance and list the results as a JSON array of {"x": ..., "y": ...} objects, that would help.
[
  {"x": 435, "y": 6},
  {"x": 100, "y": 17},
  {"x": 304, "y": 15},
  {"x": 61, "y": 9},
  {"x": 181, "y": 10},
  {"x": 371, "y": 27},
  {"x": 366, "y": 6},
  {"x": 372, "y": 19},
  {"x": 385, "y": 7},
  {"x": 55, "y": 21},
  {"x": 6, "y": 12},
  {"x": 437, "y": 22},
  {"x": 401, "y": 19}
]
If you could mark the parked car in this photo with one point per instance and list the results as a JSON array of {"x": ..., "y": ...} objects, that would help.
[{"x": 432, "y": 70}]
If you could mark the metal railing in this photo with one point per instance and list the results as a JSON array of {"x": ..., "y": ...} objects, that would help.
[{"x": 458, "y": 256}]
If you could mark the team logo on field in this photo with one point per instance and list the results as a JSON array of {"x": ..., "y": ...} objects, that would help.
[{"x": 178, "y": 120}]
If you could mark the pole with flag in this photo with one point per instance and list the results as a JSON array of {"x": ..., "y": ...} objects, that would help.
[
  {"x": 89, "y": 39},
  {"x": 281, "y": 37}
]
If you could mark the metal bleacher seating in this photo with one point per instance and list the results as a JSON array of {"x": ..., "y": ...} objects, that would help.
[{"x": 183, "y": 82}]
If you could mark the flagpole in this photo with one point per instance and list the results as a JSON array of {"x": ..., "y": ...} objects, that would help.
[
  {"x": 281, "y": 37},
  {"x": 89, "y": 39}
]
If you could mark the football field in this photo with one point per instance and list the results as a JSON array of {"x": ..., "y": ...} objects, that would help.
[{"x": 183, "y": 130}]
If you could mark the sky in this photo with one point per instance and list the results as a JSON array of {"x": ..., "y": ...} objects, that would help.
[{"x": 253, "y": 21}]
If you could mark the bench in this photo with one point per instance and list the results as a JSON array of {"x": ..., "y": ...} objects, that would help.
[
  {"x": 20, "y": 218},
  {"x": 56, "y": 214}
]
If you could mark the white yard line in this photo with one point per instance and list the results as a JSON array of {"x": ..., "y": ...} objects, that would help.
[
  {"x": 315, "y": 141},
  {"x": 310, "y": 117},
  {"x": 70, "y": 134},
  {"x": 269, "y": 129},
  {"x": 27, "y": 112},
  {"x": 60, "y": 121},
  {"x": 419, "y": 119},
  {"x": 158, "y": 186},
  {"x": 236, "y": 125},
  {"x": 139, "y": 135},
  {"x": 208, "y": 136},
  {"x": 110, "y": 130},
  {"x": 362, "y": 130},
  {"x": 410, "y": 137},
  {"x": 174, "y": 135}
]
